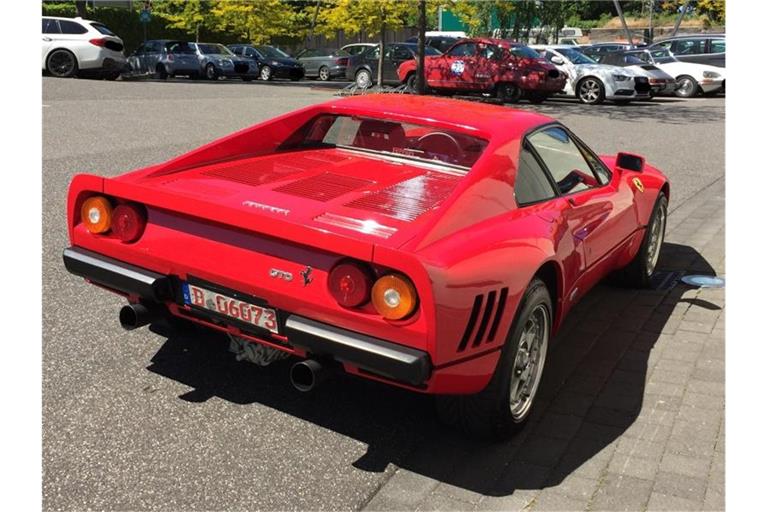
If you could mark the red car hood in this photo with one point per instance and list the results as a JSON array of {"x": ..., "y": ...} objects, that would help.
[{"x": 373, "y": 199}]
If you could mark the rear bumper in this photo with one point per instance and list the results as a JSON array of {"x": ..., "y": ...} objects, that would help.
[{"x": 367, "y": 353}]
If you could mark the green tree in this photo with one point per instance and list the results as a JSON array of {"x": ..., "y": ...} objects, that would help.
[
  {"x": 188, "y": 15},
  {"x": 257, "y": 21}
]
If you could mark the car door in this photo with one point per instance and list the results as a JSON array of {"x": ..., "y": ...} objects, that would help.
[
  {"x": 716, "y": 51},
  {"x": 450, "y": 70},
  {"x": 50, "y": 33},
  {"x": 397, "y": 55},
  {"x": 152, "y": 55},
  {"x": 310, "y": 60},
  {"x": 691, "y": 50},
  {"x": 602, "y": 213},
  {"x": 485, "y": 66}
]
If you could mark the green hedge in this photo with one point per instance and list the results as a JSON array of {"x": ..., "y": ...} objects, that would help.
[{"x": 126, "y": 25}]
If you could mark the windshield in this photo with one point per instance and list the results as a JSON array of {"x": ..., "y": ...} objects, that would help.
[
  {"x": 575, "y": 56},
  {"x": 103, "y": 29},
  {"x": 271, "y": 52},
  {"x": 394, "y": 138},
  {"x": 214, "y": 49},
  {"x": 524, "y": 51}
]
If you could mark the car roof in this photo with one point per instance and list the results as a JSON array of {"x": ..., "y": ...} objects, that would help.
[
  {"x": 493, "y": 121},
  {"x": 689, "y": 36},
  {"x": 78, "y": 19}
]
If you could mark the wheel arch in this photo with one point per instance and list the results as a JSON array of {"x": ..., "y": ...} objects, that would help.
[
  {"x": 552, "y": 276},
  {"x": 48, "y": 55}
]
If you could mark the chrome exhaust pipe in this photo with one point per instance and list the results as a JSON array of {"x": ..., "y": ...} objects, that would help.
[
  {"x": 305, "y": 375},
  {"x": 134, "y": 316}
]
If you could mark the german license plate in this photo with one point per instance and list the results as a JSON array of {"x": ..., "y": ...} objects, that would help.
[{"x": 229, "y": 306}]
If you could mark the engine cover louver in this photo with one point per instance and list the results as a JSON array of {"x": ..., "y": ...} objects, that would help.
[
  {"x": 323, "y": 187},
  {"x": 250, "y": 174},
  {"x": 492, "y": 307}
]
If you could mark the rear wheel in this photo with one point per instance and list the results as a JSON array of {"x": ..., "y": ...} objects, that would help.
[
  {"x": 639, "y": 272},
  {"x": 591, "y": 91},
  {"x": 410, "y": 82},
  {"x": 62, "y": 63},
  {"x": 324, "y": 74},
  {"x": 504, "y": 406},
  {"x": 687, "y": 87},
  {"x": 508, "y": 92},
  {"x": 161, "y": 72}
]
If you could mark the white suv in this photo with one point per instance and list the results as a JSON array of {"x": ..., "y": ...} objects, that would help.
[{"x": 74, "y": 46}]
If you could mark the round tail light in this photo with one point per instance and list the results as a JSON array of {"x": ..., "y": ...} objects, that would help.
[
  {"x": 394, "y": 296},
  {"x": 96, "y": 214},
  {"x": 128, "y": 222},
  {"x": 350, "y": 284}
]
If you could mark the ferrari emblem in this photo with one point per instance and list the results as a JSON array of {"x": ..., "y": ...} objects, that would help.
[
  {"x": 638, "y": 184},
  {"x": 307, "y": 275}
]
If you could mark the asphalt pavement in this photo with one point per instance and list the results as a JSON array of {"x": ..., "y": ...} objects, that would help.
[{"x": 143, "y": 421}]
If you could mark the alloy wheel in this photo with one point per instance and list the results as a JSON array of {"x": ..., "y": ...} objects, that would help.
[
  {"x": 61, "y": 63},
  {"x": 324, "y": 74},
  {"x": 589, "y": 91},
  {"x": 656, "y": 239},
  {"x": 265, "y": 73},
  {"x": 363, "y": 79},
  {"x": 529, "y": 362}
]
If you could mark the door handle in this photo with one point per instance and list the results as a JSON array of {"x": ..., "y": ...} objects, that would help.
[{"x": 47, "y": 38}]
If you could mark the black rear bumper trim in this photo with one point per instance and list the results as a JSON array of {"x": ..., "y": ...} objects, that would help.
[
  {"x": 116, "y": 274},
  {"x": 366, "y": 352}
]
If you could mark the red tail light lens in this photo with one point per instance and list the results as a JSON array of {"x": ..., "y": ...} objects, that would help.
[
  {"x": 350, "y": 284},
  {"x": 128, "y": 222},
  {"x": 98, "y": 41},
  {"x": 343, "y": 61},
  {"x": 170, "y": 57}
]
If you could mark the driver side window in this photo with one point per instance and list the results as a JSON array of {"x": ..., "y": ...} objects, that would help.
[
  {"x": 564, "y": 159},
  {"x": 462, "y": 50}
]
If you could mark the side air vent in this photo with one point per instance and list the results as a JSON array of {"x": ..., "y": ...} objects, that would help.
[
  {"x": 323, "y": 187},
  {"x": 492, "y": 308}
]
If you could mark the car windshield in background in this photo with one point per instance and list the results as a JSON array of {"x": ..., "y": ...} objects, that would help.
[
  {"x": 214, "y": 49},
  {"x": 179, "y": 47},
  {"x": 395, "y": 138},
  {"x": 524, "y": 51},
  {"x": 272, "y": 53},
  {"x": 103, "y": 29},
  {"x": 576, "y": 56}
]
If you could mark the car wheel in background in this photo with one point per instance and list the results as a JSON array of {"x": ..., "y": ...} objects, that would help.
[
  {"x": 363, "y": 79},
  {"x": 161, "y": 72},
  {"x": 504, "y": 406},
  {"x": 410, "y": 82},
  {"x": 111, "y": 75},
  {"x": 508, "y": 92},
  {"x": 591, "y": 91},
  {"x": 324, "y": 74},
  {"x": 640, "y": 270},
  {"x": 62, "y": 63},
  {"x": 211, "y": 73},
  {"x": 265, "y": 73},
  {"x": 687, "y": 86}
]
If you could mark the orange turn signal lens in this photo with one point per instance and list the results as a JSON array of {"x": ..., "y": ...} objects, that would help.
[
  {"x": 96, "y": 214},
  {"x": 394, "y": 296}
]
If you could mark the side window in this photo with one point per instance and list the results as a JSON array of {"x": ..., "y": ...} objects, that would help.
[
  {"x": 70, "y": 27},
  {"x": 50, "y": 27},
  {"x": 717, "y": 46},
  {"x": 688, "y": 46},
  {"x": 373, "y": 53},
  {"x": 531, "y": 183},
  {"x": 401, "y": 53},
  {"x": 564, "y": 159},
  {"x": 667, "y": 45},
  {"x": 463, "y": 50},
  {"x": 490, "y": 52}
]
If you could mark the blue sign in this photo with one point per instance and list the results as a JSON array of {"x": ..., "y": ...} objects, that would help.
[{"x": 145, "y": 16}]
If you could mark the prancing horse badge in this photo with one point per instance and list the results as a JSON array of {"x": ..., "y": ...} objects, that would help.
[
  {"x": 307, "y": 275},
  {"x": 638, "y": 184}
]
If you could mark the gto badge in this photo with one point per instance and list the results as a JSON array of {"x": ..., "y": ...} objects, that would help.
[
  {"x": 307, "y": 275},
  {"x": 280, "y": 274},
  {"x": 638, "y": 184},
  {"x": 266, "y": 207}
]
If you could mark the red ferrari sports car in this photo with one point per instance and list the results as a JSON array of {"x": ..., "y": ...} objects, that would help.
[{"x": 426, "y": 243}]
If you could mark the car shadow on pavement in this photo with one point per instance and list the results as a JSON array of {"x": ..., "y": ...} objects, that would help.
[{"x": 593, "y": 394}]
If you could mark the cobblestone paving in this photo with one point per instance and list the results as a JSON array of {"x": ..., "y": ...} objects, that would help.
[{"x": 631, "y": 412}]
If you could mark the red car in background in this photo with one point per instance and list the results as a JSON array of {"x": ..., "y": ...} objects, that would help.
[
  {"x": 509, "y": 70},
  {"x": 426, "y": 243}
]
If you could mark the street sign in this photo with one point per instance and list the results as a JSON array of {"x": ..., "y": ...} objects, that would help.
[{"x": 145, "y": 16}]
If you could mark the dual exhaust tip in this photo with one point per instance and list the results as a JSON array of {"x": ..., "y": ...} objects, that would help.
[{"x": 304, "y": 375}]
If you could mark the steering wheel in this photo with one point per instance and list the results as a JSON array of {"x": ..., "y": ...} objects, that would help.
[{"x": 431, "y": 143}]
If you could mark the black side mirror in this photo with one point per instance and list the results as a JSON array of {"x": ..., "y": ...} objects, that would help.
[{"x": 630, "y": 162}]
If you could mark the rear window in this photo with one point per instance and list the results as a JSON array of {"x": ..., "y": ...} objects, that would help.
[
  {"x": 383, "y": 136},
  {"x": 103, "y": 29}
]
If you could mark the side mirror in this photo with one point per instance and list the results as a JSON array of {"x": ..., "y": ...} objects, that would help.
[
  {"x": 630, "y": 162},
  {"x": 557, "y": 60}
]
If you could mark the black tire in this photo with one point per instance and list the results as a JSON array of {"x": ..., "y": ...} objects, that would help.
[
  {"x": 112, "y": 75},
  {"x": 410, "y": 82},
  {"x": 640, "y": 270},
  {"x": 62, "y": 63},
  {"x": 265, "y": 73},
  {"x": 211, "y": 73},
  {"x": 687, "y": 86},
  {"x": 590, "y": 91},
  {"x": 363, "y": 78},
  {"x": 161, "y": 72},
  {"x": 324, "y": 74},
  {"x": 508, "y": 92},
  {"x": 537, "y": 98},
  {"x": 489, "y": 414}
]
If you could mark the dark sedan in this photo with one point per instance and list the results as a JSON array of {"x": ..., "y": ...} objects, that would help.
[
  {"x": 272, "y": 62},
  {"x": 363, "y": 68},
  {"x": 216, "y": 60},
  {"x": 324, "y": 63}
]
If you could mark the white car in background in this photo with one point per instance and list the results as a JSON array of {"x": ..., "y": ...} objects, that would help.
[
  {"x": 661, "y": 81},
  {"x": 592, "y": 83},
  {"x": 74, "y": 46},
  {"x": 691, "y": 77}
]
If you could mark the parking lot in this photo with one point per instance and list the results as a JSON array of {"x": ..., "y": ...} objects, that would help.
[{"x": 630, "y": 416}]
